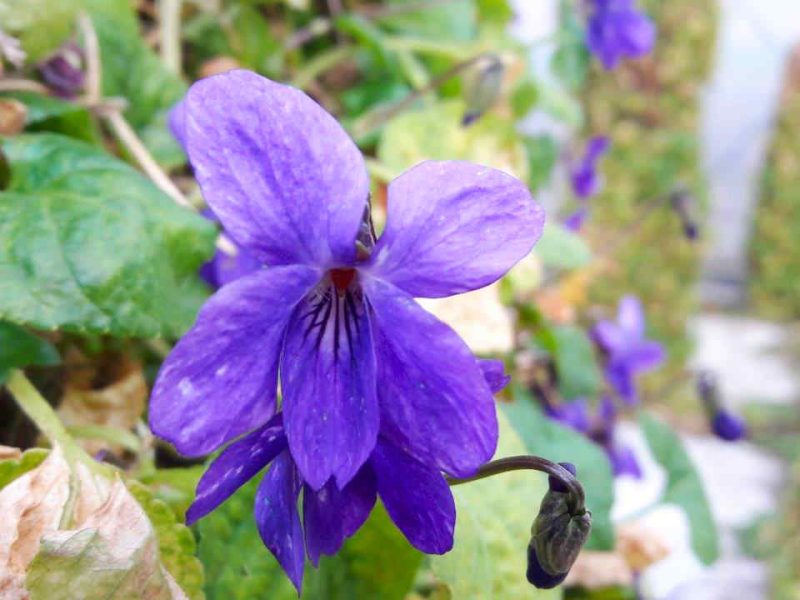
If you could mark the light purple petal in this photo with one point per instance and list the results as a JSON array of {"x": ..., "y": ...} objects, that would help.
[
  {"x": 435, "y": 402},
  {"x": 454, "y": 226},
  {"x": 646, "y": 355},
  {"x": 494, "y": 371},
  {"x": 576, "y": 220},
  {"x": 278, "y": 520},
  {"x": 631, "y": 317},
  {"x": 328, "y": 382},
  {"x": 637, "y": 34},
  {"x": 235, "y": 466},
  {"x": 620, "y": 377},
  {"x": 281, "y": 174},
  {"x": 220, "y": 379},
  {"x": 330, "y": 515},
  {"x": 609, "y": 336},
  {"x": 176, "y": 120},
  {"x": 224, "y": 268},
  {"x": 596, "y": 148},
  {"x": 417, "y": 498}
]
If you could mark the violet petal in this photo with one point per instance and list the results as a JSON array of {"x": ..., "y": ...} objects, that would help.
[
  {"x": 434, "y": 400},
  {"x": 281, "y": 174},
  {"x": 417, "y": 498},
  {"x": 454, "y": 226},
  {"x": 235, "y": 466},
  {"x": 328, "y": 380},
  {"x": 220, "y": 379}
]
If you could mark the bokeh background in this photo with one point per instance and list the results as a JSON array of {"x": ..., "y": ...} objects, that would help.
[{"x": 704, "y": 133}]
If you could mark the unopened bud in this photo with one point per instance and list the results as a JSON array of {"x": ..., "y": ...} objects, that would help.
[
  {"x": 482, "y": 87},
  {"x": 557, "y": 535},
  {"x": 725, "y": 425},
  {"x": 684, "y": 205},
  {"x": 62, "y": 71}
]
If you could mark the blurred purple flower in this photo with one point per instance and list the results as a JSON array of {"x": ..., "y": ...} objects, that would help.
[
  {"x": 378, "y": 396},
  {"x": 617, "y": 30},
  {"x": 622, "y": 458},
  {"x": 574, "y": 415},
  {"x": 63, "y": 70},
  {"x": 628, "y": 351},
  {"x": 584, "y": 177}
]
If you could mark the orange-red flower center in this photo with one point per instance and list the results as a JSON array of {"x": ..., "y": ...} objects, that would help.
[{"x": 342, "y": 278}]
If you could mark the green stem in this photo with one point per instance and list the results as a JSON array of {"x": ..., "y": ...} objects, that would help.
[{"x": 532, "y": 463}]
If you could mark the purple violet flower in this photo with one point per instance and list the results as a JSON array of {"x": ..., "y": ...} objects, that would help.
[
  {"x": 725, "y": 424},
  {"x": 628, "y": 351},
  {"x": 585, "y": 180},
  {"x": 617, "y": 30},
  {"x": 63, "y": 70},
  {"x": 378, "y": 396}
]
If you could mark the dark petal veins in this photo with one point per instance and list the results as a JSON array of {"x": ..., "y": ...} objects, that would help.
[
  {"x": 277, "y": 518},
  {"x": 328, "y": 381},
  {"x": 235, "y": 466}
]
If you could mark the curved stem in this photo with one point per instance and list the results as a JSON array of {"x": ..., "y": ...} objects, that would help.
[{"x": 532, "y": 463}]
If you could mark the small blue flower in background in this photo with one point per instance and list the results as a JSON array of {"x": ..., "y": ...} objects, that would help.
[
  {"x": 378, "y": 396},
  {"x": 617, "y": 30},
  {"x": 586, "y": 181},
  {"x": 622, "y": 458},
  {"x": 628, "y": 351},
  {"x": 574, "y": 414},
  {"x": 600, "y": 429}
]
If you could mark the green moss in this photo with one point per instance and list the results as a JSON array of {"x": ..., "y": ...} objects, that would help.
[
  {"x": 649, "y": 108},
  {"x": 775, "y": 270}
]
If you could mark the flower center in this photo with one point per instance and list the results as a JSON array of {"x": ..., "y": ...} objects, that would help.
[{"x": 342, "y": 278}]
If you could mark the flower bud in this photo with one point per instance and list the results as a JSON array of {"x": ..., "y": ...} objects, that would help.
[
  {"x": 62, "y": 71},
  {"x": 557, "y": 535},
  {"x": 725, "y": 425},
  {"x": 683, "y": 203},
  {"x": 482, "y": 87}
]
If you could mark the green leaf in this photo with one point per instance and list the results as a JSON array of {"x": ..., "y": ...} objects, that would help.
[
  {"x": 134, "y": 72},
  {"x": 495, "y": 515},
  {"x": 46, "y": 113},
  {"x": 524, "y": 97},
  {"x": 175, "y": 487},
  {"x": 176, "y": 542},
  {"x": 544, "y": 437},
  {"x": 572, "y": 351},
  {"x": 19, "y": 348},
  {"x": 12, "y": 468},
  {"x": 542, "y": 154},
  {"x": 375, "y": 563},
  {"x": 436, "y": 133},
  {"x": 684, "y": 486},
  {"x": 41, "y": 25},
  {"x": 451, "y": 21},
  {"x": 93, "y": 246},
  {"x": 571, "y": 59},
  {"x": 561, "y": 248}
]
